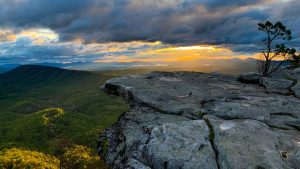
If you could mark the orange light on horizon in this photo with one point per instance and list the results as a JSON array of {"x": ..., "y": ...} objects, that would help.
[
  {"x": 139, "y": 51},
  {"x": 179, "y": 54}
]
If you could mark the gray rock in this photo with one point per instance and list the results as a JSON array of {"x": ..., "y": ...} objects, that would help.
[
  {"x": 276, "y": 110},
  {"x": 173, "y": 93},
  {"x": 274, "y": 85},
  {"x": 132, "y": 130},
  {"x": 250, "y": 78},
  {"x": 182, "y": 145},
  {"x": 290, "y": 74},
  {"x": 251, "y": 144},
  {"x": 135, "y": 164},
  {"x": 296, "y": 90},
  {"x": 165, "y": 127},
  {"x": 297, "y": 70}
]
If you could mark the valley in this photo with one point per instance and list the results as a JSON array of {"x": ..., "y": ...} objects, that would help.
[{"x": 47, "y": 109}]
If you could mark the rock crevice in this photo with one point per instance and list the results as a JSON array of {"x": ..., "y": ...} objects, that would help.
[{"x": 212, "y": 139}]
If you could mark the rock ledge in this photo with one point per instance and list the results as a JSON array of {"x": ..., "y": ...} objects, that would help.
[{"x": 187, "y": 120}]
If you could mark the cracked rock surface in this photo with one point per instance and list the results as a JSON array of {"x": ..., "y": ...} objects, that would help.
[{"x": 186, "y": 120}]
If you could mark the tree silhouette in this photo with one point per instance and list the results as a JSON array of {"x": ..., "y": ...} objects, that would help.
[{"x": 274, "y": 54}]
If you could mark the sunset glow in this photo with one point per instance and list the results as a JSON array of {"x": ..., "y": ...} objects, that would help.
[
  {"x": 136, "y": 31},
  {"x": 150, "y": 84},
  {"x": 137, "y": 51}
]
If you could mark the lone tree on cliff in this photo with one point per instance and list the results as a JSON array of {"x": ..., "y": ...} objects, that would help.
[{"x": 274, "y": 54}]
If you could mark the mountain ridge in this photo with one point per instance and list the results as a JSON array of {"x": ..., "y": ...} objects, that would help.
[{"x": 38, "y": 75}]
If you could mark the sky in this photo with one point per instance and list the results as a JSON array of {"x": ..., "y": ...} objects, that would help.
[{"x": 138, "y": 31}]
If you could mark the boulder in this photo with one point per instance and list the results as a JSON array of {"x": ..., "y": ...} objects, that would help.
[{"x": 250, "y": 78}]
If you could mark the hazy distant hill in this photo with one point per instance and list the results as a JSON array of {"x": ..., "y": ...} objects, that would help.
[
  {"x": 8, "y": 67},
  {"x": 233, "y": 66},
  {"x": 29, "y": 76}
]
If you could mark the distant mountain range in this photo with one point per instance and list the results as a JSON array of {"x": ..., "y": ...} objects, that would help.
[
  {"x": 90, "y": 66},
  {"x": 8, "y": 67},
  {"x": 224, "y": 65},
  {"x": 29, "y": 76},
  {"x": 229, "y": 66}
]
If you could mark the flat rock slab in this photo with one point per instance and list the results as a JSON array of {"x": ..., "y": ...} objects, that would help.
[
  {"x": 274, "y": 85},
  {"x": 176, "y": 93},
  {"x": 197, "y": 120},
  {"x": 296, "y": 90},
  {"x": 251, "y": 144}
]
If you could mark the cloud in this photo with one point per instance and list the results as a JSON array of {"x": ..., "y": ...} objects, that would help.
[
  {"x": 230, "y": 23},
  {"x": 32, "y": 46},
  {"x": 131, "y": 20}
]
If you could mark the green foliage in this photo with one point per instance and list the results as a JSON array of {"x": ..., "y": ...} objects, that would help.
[
  {"x": 51, "y": 115},
  {"x": 75, "y": 157},
  {"x": 26, "y": 106},
  {"x": 32, "y": 76},
  {"x": 105, "y": 148},
  {"x": 56, "y": 113},
  {"x": 18, "y": 158},
  {"x": 276, "y": 31},
  {"x": 80, "y": 157}
]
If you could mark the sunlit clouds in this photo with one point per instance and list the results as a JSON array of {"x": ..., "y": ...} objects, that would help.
[
  {"x": 163, "y": 32},
  {"x": 20, "y": 45},
  {"x": 39, "y": 36}
]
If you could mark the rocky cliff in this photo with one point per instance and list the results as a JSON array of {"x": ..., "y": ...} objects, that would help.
[{"x": 187, "y": 120}]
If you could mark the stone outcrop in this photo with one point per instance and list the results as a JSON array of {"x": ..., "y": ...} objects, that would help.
[
  {"x": 187, "y": 120},
  {"x": 274, "y": 85}
]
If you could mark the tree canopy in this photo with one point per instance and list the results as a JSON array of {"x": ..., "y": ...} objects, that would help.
[{"x": 274, "y": 51}]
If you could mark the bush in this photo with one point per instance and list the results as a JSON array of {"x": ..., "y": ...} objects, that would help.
[
  {"x": 18, "y": 158},
  {"x": 79, "y": 157}
]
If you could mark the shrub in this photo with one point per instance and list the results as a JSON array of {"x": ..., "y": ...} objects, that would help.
[
  {"x": 18, "y": 158},
  {"x": 80, "y": 157}
]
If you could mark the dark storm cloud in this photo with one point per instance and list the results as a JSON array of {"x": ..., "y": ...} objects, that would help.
[
  {"x": 53, "y": 13},
  {"x": 289, "y": 14},
  {"x": 23, "y": 51},
  {"x": 169, "y": 21},
  {"x": 289, "y": 10},
  {"x": 234, "y": 2}
]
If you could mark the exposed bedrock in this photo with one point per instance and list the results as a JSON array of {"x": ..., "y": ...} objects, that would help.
[{"x": 186, "y": 120}]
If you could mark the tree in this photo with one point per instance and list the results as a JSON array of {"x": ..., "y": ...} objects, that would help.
[{"x": 274, "y": 54}]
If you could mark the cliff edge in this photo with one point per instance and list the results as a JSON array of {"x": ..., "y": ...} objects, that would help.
[{"x": 188, "y": 120}]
